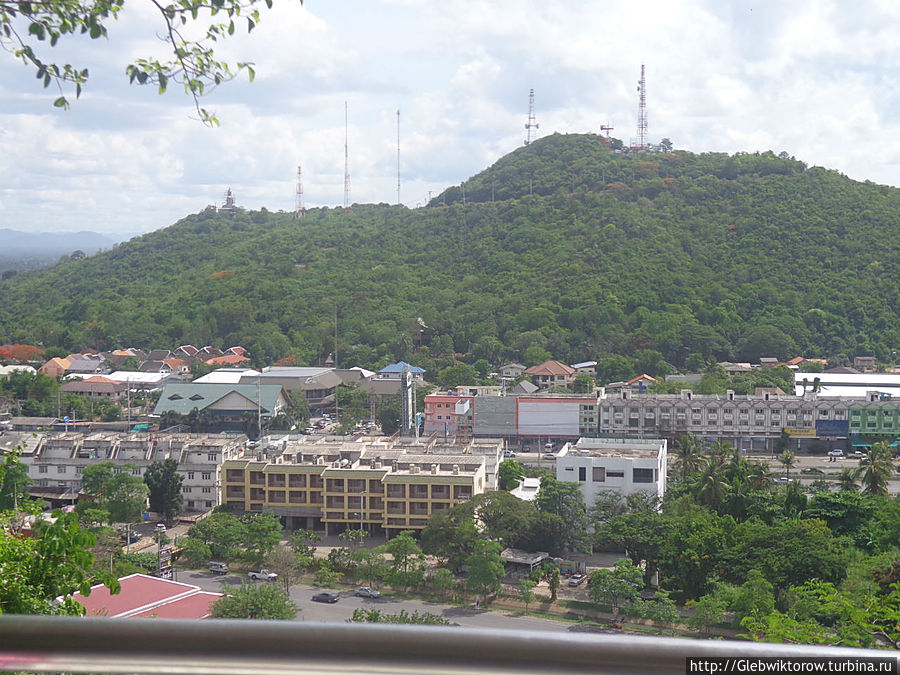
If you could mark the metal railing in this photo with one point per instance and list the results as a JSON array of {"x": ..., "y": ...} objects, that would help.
[{"x": 83, "y": 645}]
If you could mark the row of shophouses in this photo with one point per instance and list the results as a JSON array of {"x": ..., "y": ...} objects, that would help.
[{"x": 756, "y": 422}]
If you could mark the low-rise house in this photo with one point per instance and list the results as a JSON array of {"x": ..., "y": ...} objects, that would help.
[
  {"x": 395, "y": 370},
  {"x": 95, "y": 387},
  {"x": 55, "y": 367},
  {"x": 143, "y": 596},
  {"x": 551, "y": 373},
  {"x": 228, "y": 360},
  {"x": 227, "y": 404},
  {"x": 586, "y": 367},
  {"x": 865, "y": 364},
  {"x": 511, "y": 371}
]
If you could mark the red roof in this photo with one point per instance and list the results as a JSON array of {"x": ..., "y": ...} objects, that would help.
[
  {"x": 143, "y": 595},
  {"x": 229, "y": 360},
  {"x": 643, "y": 376},
  {"x": 550, "y": 368}
]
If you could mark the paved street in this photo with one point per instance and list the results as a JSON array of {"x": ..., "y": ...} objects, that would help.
[{"x": 343, "y": 609}]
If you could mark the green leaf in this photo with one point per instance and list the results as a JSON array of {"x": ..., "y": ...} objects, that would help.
[
  {"x": 96, "y": 31},
  {"x": 61, "y": 102},
  {"x": 251, "y": 73}
]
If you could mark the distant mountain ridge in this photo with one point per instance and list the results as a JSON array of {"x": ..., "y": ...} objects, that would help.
[
  {"x": 30, "y": 250},
  {"x": 562, "y": 247}
]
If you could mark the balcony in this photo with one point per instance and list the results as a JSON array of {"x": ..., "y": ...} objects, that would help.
[
  {"x": 297, "y": 480},
  {"x": 234, "y": 492},
  {"x": 276, "y": 481}
]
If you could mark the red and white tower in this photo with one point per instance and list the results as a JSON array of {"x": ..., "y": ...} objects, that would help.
[
  {"x": 530, "y": 124},
  {"x": 642, "y": 112}
]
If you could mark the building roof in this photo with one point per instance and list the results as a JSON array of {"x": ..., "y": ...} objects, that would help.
[
  {"x": 6, "y": 370},
  {"x": 525, "y": 387},
  {"x": 228, "y": 360},
  {"x": 183, "y": 397},
  {"x": 642, "y": 377},
  {"x": 399, "y": 366},
  {"x": 527, "y": 489},
  {"x": 584, "y": 364},
  {"x": 144, "y": 596},
  {"x": 849, "y": 384},
  {"x": 95, "y": 385},
  {"x": 550, "y": 367},
  {"x": 226, "y": 376}
]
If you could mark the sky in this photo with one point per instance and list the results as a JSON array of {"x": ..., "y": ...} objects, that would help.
[{"x": 813, "y": 79}]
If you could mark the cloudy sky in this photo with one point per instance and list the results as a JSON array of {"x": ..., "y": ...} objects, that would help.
[{"x": 815, "y": 79}]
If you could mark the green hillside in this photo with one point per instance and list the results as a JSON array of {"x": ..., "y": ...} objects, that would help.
[{"x": 562, "y": 245}]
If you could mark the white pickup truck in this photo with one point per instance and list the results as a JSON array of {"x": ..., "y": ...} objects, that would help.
[{"x": 263, "y": 574}]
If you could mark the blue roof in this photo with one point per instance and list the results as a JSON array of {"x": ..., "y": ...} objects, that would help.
[{"x": 399, "y": 366}]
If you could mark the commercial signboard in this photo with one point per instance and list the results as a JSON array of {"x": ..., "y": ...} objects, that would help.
[
  {"x": 800, "y": 431},
  {"x": 832, "y": 428}
]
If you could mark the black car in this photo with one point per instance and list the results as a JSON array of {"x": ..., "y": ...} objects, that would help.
[{"x": 326, "y": 596}]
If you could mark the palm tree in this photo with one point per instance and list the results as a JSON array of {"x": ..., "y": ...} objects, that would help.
[
  {"x": 787, "y": 459},
  {"x": 758, "y": 476},
  {"x": 876, "y": 473},
  {"x": 687, "y": 455},
  {"x": 847, "y": 480},
  {"x": 711, "y": 486}
]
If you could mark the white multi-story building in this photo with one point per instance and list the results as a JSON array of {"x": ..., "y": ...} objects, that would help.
[
  {"x": 623, "y": 465},
  {"x": 56, "y": 462}
]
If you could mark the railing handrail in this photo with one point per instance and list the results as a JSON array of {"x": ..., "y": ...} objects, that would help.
[{"x": 75, "y": 644}]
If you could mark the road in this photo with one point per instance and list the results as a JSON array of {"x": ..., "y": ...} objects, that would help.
[{"x": 339, "y": 612}]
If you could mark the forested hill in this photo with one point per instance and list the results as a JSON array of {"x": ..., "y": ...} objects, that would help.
[{"x": 561, "y": 246}]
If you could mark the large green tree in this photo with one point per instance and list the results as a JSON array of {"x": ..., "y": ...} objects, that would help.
[
  {"x": 255, "y": 601},
  {"x": 28, "y": 30},
  {"x": 164, "y": 482}
]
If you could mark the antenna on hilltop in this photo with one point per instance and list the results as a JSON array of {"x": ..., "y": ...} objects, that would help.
[
  {"x": 530, "y": 124},
  {"x": 398, "y": 158},
  {"x": 346, "y": 164},
  {"x": 300, "y": 207},
  {"x": 642, "y": 112}
]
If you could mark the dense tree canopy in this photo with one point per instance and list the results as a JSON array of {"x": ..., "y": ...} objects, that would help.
[{"x": 716, "y": 257}]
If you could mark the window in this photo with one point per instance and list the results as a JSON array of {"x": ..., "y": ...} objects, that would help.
[
  {"x": 79, "y": 470},
  {"x": 206, "y": 475},
  {"x": 135, "y": 471},
  {"x": 207, "y": 490},
  {"x": 582, "y": 473},
  {"x": 60, "y": 469},
  {"x": 43, "y": 469},
  {"x": 190, "y": 475},
  {"x": 642, "y": 475},
  {"x": 211, "y": 457},
  {"x": 599, "y": 474},
  {"x": 615, "y": 474},
  {"x": 186, "y": 490}
]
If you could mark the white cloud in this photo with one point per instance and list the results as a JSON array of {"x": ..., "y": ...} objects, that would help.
[{"x": 814, "y": 79}]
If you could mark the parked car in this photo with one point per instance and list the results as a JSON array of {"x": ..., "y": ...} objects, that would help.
[
  {"x": 548, "y": 455},
  {"x": 131, "y": 537},
  {"x": 160, "y": 527},
  {"x": 812, "y": 469},
  {"x": 837, "y": 452},
  {"x": 857, "y": 454},
  {"x": 218, "y": 567},
  {"x": 509, "y": 454},
  {"x": 782, "y": 479},
  {"x": 263, "y": 574},
  {"x": 366, "y": 592},
  {"x": 326, "y": 596},
  {"x": 577, "y": 579}
]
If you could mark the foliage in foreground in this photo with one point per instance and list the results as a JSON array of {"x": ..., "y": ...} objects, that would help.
[
  {"x": 255, "y": 601},
  {"x": 376, "y": 616}
]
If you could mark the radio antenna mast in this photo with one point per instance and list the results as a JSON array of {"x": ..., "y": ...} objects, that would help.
[
  {"x": 642, "y": 112},
  {"x": 300, "y": 208},
  {"x": 398, "y": 157},
  {"x": 346, "y": 163},
  {"x": 530, "y": 124}
]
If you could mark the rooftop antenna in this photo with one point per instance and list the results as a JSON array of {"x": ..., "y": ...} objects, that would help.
[
  {"x": 346, "y": 164},
  {"x": 398, "y": 158},
  {"x": 531, "y": 124},
  {"x": 300, "y": 208},
  {"x": 607, "y": 129},
  {"x": 642, "y": 112}
]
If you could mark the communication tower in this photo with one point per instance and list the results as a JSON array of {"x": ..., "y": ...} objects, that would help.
[
  {"x": 300, "y": 207},
  {"x": 607, "y": 129},
  {"x": 530, "y": 124},
  {"x": 398, "y": 158},
  {"x": 642, "y": 113},
  {"x": 346, "y": 164}
]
